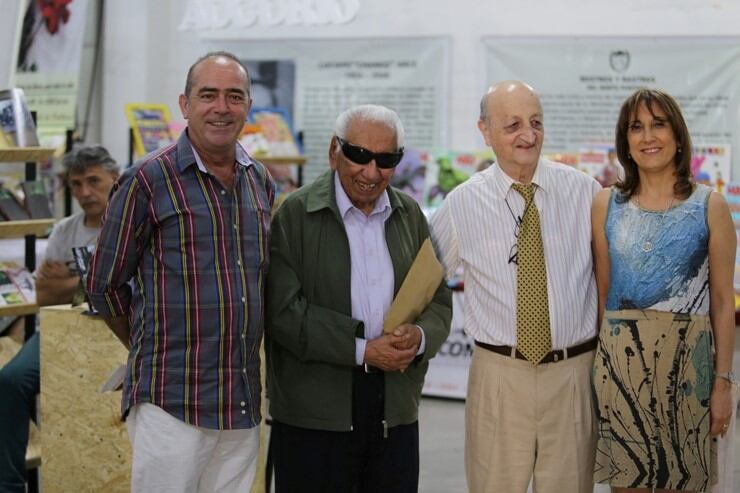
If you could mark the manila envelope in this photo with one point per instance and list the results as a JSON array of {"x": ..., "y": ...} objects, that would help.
[{"x": 417, "y": 289}]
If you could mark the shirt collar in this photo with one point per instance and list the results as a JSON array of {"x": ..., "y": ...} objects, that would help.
[
  {"x": 382, "y": 205},
  {"x": 503, "y": 182},
  {"x": 241, "y": 156}
]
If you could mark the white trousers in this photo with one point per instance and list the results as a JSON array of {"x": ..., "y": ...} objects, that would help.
[{"x": 172, "y": 456}]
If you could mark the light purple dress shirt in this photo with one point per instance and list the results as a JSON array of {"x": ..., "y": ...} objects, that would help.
[{"x": 372, "y": 277}]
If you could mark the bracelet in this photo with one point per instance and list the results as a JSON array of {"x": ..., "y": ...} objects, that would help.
[{"x": 728, "y": 375}]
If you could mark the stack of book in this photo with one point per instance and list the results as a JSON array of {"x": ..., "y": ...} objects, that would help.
[
  {"x": 16, "y": 285},
  {"x": 35, "y": 203}
]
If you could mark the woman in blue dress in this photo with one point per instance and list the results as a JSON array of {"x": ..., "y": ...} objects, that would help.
[{"x": 664, "y": 256}]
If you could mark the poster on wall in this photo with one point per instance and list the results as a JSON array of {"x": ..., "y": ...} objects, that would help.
[
  {"x": 272, "y": 85},
  {"x": 447, "y": 375},
  {"x": 409, "y": 75},
  {"x": 48, "y": 67},
  {"x": 582, "y": 83}
]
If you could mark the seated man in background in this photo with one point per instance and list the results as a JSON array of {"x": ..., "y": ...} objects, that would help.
[{"x": 90, "y": 173}]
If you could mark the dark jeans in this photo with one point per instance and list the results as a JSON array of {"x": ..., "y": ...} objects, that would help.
[
  {"x": 363, "y": 460},
  {"x": 19, "y": 384}
]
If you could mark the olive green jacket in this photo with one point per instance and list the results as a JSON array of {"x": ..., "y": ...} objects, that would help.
[{"x": 310, "y": 333}]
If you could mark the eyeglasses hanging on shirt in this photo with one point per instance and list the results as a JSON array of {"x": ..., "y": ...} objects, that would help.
[{"x": 513, "y": 258}]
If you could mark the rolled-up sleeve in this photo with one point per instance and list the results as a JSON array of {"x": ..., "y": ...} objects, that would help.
[{"x": 122, "y": 238}]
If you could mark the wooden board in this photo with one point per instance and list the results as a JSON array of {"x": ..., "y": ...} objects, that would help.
[
  {"x": 25, "y": 154},
  {"x": 19, "y": 229},
  {"x": 299, "y": 160},
  {"x": 18, "y": 309}
]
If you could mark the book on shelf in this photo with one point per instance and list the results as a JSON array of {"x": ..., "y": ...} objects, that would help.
[
  {"x": 36, "y": 200},
  {"x": 16, "y": 124},
  {"x": 16, "y": 285},
  {"x": 275, "y": 127},
  {"x": 10, "y": 207},
  {"x": 151, "y": 126}
]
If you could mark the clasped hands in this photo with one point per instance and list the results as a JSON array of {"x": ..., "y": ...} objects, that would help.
[{"x": 394, "y": 351}]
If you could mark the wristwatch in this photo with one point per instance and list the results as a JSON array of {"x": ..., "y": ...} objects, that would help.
[{"x": 728, "y": 375}]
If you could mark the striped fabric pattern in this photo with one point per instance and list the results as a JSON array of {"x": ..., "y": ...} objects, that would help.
[
  {"x": 186, "y": 261},
  {"x": 474, "y": 230}
]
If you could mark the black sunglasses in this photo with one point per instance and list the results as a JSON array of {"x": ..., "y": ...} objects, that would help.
[{"x": 360, "y": 155}]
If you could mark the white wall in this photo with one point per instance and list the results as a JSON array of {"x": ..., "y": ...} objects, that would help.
[{"x": 146, "y": 57}]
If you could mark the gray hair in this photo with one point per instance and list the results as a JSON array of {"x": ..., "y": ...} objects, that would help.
[
  {"x": 214, "y": 54},
  {"x": 81, "y": 159},
  {"x": 370, "y": 113},
  {"x": 484, "y": 106}
]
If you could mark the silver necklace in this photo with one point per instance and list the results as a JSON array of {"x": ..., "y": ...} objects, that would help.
[{"x": 647, "y": 245}]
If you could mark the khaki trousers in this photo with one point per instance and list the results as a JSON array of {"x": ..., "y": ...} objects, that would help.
[{"x": 527, "y": 422}]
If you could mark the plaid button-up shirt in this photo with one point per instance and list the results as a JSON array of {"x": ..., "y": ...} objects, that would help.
[{"x": 185, "y": 260}]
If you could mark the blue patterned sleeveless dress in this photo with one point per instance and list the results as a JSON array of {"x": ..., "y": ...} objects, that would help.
[{"x": 653, "y": 370}]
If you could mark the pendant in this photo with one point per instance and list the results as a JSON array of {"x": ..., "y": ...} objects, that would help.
[{"x": 647, "y": 246}]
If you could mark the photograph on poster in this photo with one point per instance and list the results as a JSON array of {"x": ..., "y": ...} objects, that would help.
[
  {"x": 448, "y": 169},
  {"x": 410, "y": 174},
  {"x": 51, "y": 36},
  {"x": 600, "y": 161},
  {"x": 711, "y": 165},
  {"x": 273, "y": 84}
]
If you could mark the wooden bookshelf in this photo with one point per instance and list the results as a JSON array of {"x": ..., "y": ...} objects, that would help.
[
  {"x": 25, "y": 154},
  {"x": 18, "y": 309},
  {"x": 281, "y": 160},
  {"x": 19, "y": 229}
]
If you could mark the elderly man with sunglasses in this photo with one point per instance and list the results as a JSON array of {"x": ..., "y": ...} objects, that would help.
[
  {"x": 521, "y": 231},
  {"x": 344, "y": 396}
]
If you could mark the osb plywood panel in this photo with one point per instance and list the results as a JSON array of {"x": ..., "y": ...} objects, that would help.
[{"x": 85, "y": 446}]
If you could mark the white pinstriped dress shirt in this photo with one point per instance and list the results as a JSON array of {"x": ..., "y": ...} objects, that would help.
[{"x": 474, "y": 229}]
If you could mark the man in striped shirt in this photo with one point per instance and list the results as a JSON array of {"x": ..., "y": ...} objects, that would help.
[
  {"x": 178, "y": 275},
  {"x": 527, "y": 417}
]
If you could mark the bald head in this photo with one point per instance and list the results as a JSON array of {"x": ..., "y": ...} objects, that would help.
[
  {"x": 502, "y": 91},
  {"x": 511, "y": 124}
]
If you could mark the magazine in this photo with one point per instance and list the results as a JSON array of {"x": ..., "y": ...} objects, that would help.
[
  {"x": 16, "y": 124},
  {"x": 276, "y": 130},
  {"x": 16, "y": 285},
  {"x": 151, "y": 126}
]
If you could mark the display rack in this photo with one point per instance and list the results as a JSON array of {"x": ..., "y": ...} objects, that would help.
[{"x": 28, "y": 229}]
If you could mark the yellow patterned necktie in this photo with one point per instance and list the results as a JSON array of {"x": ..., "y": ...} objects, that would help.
[{"x": 532, "y": 308}]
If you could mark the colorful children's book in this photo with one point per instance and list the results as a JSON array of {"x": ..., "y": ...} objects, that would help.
[
  {"x": 151, "y": 126},
  {"x": 276, "y": 130}
]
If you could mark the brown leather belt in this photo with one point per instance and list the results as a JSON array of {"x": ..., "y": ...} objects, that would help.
[{"x": 551, "y": 357}]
